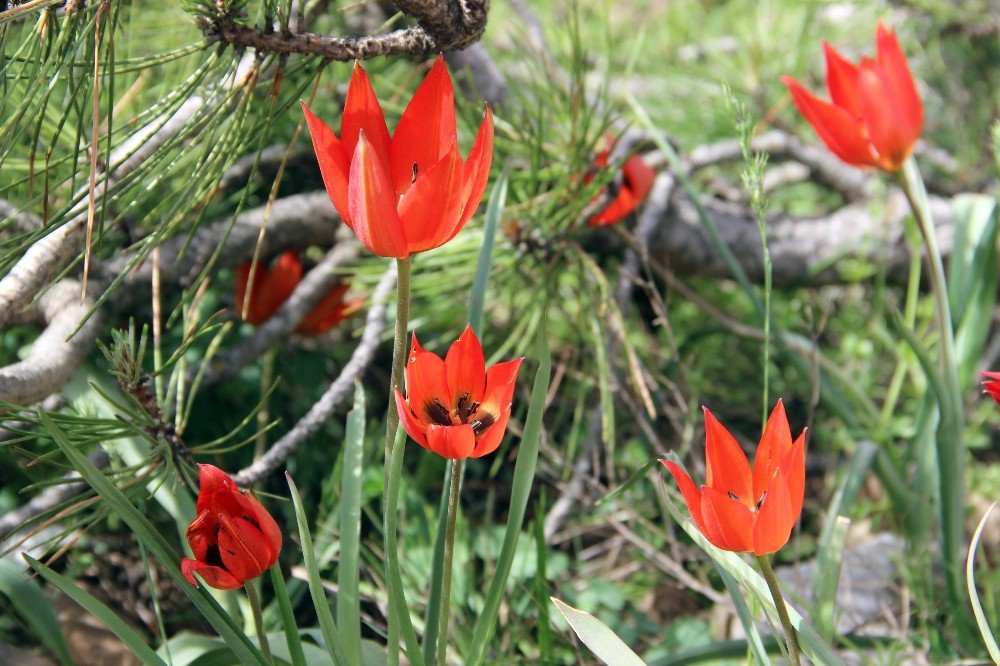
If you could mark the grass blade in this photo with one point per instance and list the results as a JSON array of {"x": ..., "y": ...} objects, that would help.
[
  {"x": 28, "y": 601},
  {"x": 110, "y": 619},
  {"x": 494, "y": 211},
  {"x": 524, "y": 473},
  {"x": 320, "y": 603},
  {"x": 754, "y": 641},
  {"x": 977, "y": 606},
  {"x": 348, "y": 609}
]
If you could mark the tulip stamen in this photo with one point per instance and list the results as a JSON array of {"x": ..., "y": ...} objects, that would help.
[
  {"x": 413, "y": 179},
  {"x": 482, "y": 423},
  {"x": 437, "y": 412},
  {"x": 761, "y": 500},
  {"x": 464, "y": 407},
  {"x": 733, "y": 496}
]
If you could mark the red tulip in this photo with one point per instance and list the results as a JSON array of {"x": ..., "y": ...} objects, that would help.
[
  {"x": 234, "y": 539},
  {"x": 992, "y": 385},
  {"x": 637, "y": 181},
  {"x": 875, "y": 114},
  {"x": 740, "y": 509},
  {"x": 455, "y": 407},
  {"x": 412, "y": 192},
  {"x": 272, "y": 287}
]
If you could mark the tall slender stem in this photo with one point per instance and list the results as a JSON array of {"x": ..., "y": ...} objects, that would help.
[
  {"x": 779, "y": 604},
  {"x": 950, "y": 444},
  {"x": 449, "y": 551},
  {"x": 258, "y": 618},
  {"x": 398, "y": 350},
  {"x": 391, "y": 425}
]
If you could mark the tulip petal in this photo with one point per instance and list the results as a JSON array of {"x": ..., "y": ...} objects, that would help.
[
  {"x": 774, "y": 446},
  {"x": 334, "y": 163},
  {"x": 691, "y": 492},
  {"x": 728, "y": 522},
  {"x": 638, "y": 177},
  {"x": 490, "y": 440},
  {"x": 244, "y": 551},
  {"x": 326, "y": 314},
  {"x": 841, "y": 133},
  {"x": 897, "y": 72},
  {"x": 842, "y": 81},
  {"x": 775, "y": 518},
  {"x": 413, "y": 426},
  {"x": 213, "y": 576},
  {"x": 882, "y": 117},
  {"x": 452, "y": 442},
  {"x": 276, "y": 286},
  {"x": 212, "y": 481},
  {"x": 466, "y": 369},
  {"x": 362, "y": 112},
  {"x": 501, "y": 380},
  {"x": 373, "y": 204},
  {"x": 727, "y": 467},
  {"x": 426, "y": 129},
  {"x": 201, "y": 534},
  {"x": 477, "y": 171},
  {"x": 427, "y": 388},
  {"x": 793, "y": 470},
  {"x": 429, "y": 210},
  {"x": 619, "y": 208},
  {"x": 258, "y": 516}
]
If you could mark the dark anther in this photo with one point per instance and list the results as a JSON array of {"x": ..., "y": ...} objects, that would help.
[
  {"x": 214, "y": 557},
  {"x": 464, "y": 407},
  {"x": 437, "y": 412},
  {"x": 414, "y": 178},
  {"x": 734, "y": 496},
  {"x": 480, "y": 425},
  {"x": 761, "y": 500}
]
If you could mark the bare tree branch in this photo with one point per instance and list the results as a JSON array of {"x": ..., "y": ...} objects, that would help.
[
  {"x": 334, "y": 396},
  {"x": 444, "y": 25}
]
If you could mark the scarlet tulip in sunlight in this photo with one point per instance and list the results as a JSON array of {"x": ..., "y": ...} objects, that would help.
[
  {"x": 636, "y": 182},
  {"x": 412, "y": 192},
  {"x": 273, "y": 286},
  {"x": 875, "y": 114},
  {"x": 455, "y": 407},
  {"x": 234, "y": 539},
  {"x": 992, "y": 384},
  {"x": 744, "y": 509}
]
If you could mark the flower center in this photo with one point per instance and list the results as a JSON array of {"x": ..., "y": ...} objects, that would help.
[
  {"x": 466, "y": 411},
  {"x": 756, "y": 507}
]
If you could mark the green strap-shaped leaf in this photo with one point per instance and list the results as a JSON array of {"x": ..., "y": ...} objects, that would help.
[
  {"x": 28, "y": 601},
  {"x": 597, "y": 636}
]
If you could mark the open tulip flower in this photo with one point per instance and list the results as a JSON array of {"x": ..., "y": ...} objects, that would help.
[
  {"x": 273, "y": 286},
  {"x": 743, "y": 509},
  {"x": 412, "y": 192},
  {"x": 234, "y": 539},
  {"x": 455, "y": 407},
  {"x": 636, "y": 182},
  {"x": 875, "y": 115}
]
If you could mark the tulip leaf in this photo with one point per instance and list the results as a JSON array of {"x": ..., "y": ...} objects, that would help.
[
  {"x": 494, "y": 211},
  {"x": 231, "y": 633},
  {"x": 288, "y": 622},
  {"x": 89, "y": 603},
  {"x": 320, "y": 602},
  {"x": 597, "y": 636},
  {"x": 977, "y": 606},
  {"x": 348, "y": 608},
  {"x": 754, "y": 640},
  {"x": 524, "y": 473},
  {"x": 28, "y": 601}
]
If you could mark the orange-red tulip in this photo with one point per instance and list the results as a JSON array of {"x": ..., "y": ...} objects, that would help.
[
  {"x": 456, "y": 407},
  {"x": 744, "y": 509},
  {"x": 273, "y": 286},
  {"x": 875, "y": 114},
  {"x": 234, "y": 539},
  {"x": 992, "y": 384},
  {"x": 412, "y": 192},
  {"x": 637, "y": 181}
]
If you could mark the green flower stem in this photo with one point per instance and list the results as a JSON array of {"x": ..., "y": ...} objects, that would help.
[
  {"x": 950, "y": 445},
  {"x": 258, "y": 619},
  {"x": 779, "y": 604},
  {"x": 398, "y": 350},
  {"x": 449, "y": 552}
]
